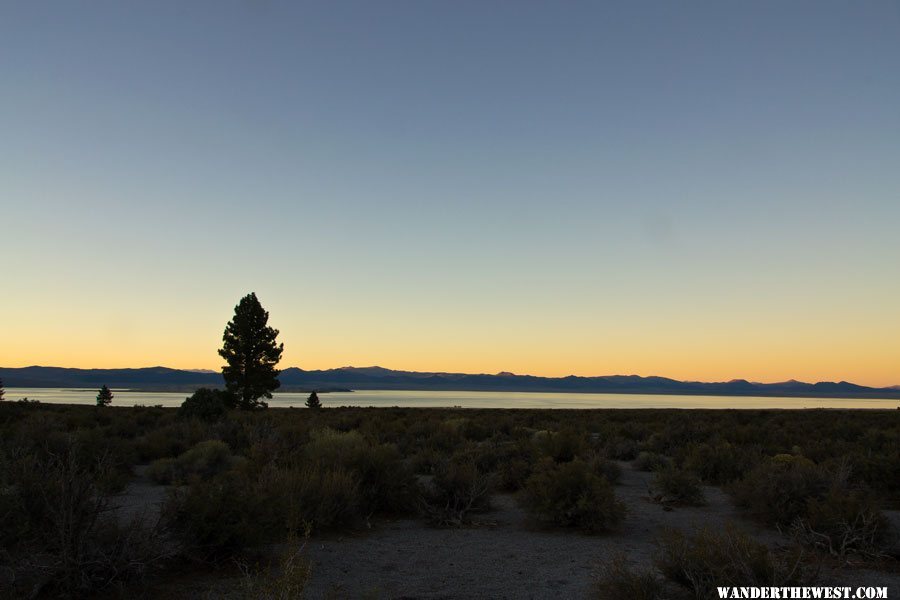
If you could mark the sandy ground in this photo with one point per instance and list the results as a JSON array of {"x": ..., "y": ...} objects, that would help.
[
  {"x": 506, "y": 555},
  {"x": 142, "y": 498},
  {"x": 515, "y": 557}
]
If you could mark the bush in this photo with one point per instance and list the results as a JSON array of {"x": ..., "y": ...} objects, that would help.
[
  {"x": 650, "y": 461},
  {"x": 457, "y": 490},
  {"x": 677, "y": 487},
  {"x": 170, "y": 440},
  {"x": 562, "y": 446},
  {"x": 720, "y": 463},
  {"x": 206, "y": 405},
  {"x": 162, "y": 471},
  {"x": 843, "y": 523},
  {"x": 317, "y": 498},
  {"x": 515, "y": 462},
  {"x": 707, "y": 559},
  {"x": 618, "y": 581},
  {"x": 284, "y": 582},
  {"x": 219, "y": 517},
  {"x": 777, "y": 490},
  {"x": 607, "y": 469},
  {"x": 386, "y": 484},
  {"x": 573, "y": 495},
  {"x": 58, "y": 536},
  {"x": 621, "y": 448},
  {"x": 204, "y": 460}
]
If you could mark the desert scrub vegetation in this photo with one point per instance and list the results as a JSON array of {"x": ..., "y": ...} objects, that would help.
[
  {"x": 820, "y": 505},
  {"x": 58, "y": 537},
  {"x": 337, "y": 480},
  {"x": 204, "y": 460},
  {"x": 722, "y": 462},
  {"x": 241, "y": 481},
  {"x": 573, "y": 494},
  {"x": 617, "y": 579},
  {"x": 676, "y": 487},
  {"x": 693, "y": 565},
  {"x": 458, "y": 490},
  {"x": 385, "y": 482},
  {"x": 703, "y": 560},
  {"x": 285, "y": 578},
  {"x": 650, "y": 461}
]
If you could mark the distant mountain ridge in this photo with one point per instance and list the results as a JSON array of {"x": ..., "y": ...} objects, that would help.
[{"x": 372, "y": 378}]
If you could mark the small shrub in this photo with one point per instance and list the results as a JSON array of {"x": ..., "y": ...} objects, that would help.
[
  {"x": 621, "y": 448},
  {"x": 170, "y": 440},
  {"x": 59, "y": 536},
  {"x": 425, "y": 461},
  {"x": 720, "y": 463},
  {"x": 285, "y": 580},
  {"x": 562, "y": 446},
  {"x": 843, "y": 523},
  {"x": 677, "y": 487},
  {"x": 218, "y": 517},
  {"x": 707, "y": 559},
  {"x": 607, "y": 469},
  {"x": 457, "y": 490},
  {"x": 386, "y": 484},
  {"x": 162, "y": 471},
  {"x": 204, "y": 460},
  {"x": 513, "y": 473},
  {"x": 573, "y": 495},
  {"x": 777, "y": 490},
  {"x": 619, "y": 581},
  {"x": 650, "y": 461},
  {"x": 318, "y": 498}
]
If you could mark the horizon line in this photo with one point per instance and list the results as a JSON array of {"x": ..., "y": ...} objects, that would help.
[{"x": 499, "y": 373}]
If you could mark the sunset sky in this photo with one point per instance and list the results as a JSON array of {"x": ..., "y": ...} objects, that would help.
[{"x": 699, "y": 190}]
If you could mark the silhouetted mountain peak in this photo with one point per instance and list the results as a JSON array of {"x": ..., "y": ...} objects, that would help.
[{"x": 376, "y": 377}]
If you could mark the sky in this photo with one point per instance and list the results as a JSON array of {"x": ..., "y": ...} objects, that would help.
[{"x": 698, "y": 190}]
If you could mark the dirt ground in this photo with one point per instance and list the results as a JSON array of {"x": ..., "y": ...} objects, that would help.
[{"x": 505, "y": 555}]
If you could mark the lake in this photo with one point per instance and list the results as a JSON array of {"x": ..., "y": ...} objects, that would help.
[{"x": 436, "y": 399}]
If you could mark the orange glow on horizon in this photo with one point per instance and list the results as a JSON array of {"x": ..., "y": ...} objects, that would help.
[{"x": 721, "y": 364}]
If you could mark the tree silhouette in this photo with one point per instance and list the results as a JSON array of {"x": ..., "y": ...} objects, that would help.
[
  {"x": 105, "y": 397},
  {"x": 251, "y": 353},
  {"x": 313, "y": 401},
  {"x": 2, "y": 391},
  {"x": 206, "y": 405}
]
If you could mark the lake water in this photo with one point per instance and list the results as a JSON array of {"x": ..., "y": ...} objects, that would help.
[{"x": 465, "y": 399}]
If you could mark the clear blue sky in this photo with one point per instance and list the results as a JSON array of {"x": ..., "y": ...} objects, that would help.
[{"x": 700, "y": 190}]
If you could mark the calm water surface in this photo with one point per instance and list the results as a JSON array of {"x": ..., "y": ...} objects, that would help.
[{"x": 466, "y": 399}]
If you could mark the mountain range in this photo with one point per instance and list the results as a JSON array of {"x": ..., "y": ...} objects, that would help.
[{"x": 372, "y": 378}]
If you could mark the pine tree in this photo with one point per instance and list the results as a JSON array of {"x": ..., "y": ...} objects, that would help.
[
  {"x": 105, "y": 397},
  {"x": 313, "y": 401},
  {"x": 251, "y": 353}
]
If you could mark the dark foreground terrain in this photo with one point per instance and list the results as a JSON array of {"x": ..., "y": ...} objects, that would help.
[{"x": 442, "y": 503}]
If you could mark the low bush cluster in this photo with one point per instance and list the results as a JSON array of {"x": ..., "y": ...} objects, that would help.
[
  {"x": 458, "y": 489},
  {"x": 572, "y": 494},
  {"x": 240, "y": 480},
  {"x": 677, "y": 487},
  {"x": 820, "y": 505},
  {"x": 58, "y": 536},
  {"x": 701, "y": 561},
  {"x": 650, "y": 461},
  {"x": 204, "y": 460}
]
